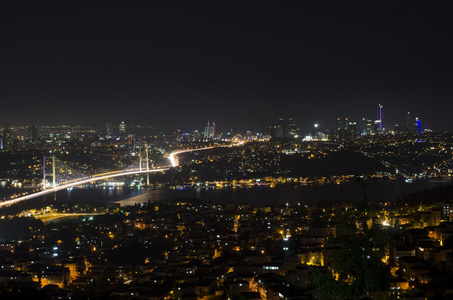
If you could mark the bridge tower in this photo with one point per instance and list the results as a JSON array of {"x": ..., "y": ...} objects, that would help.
[
  {"x": 45, "y": 174},
  {"x": 140, "y": 158},
  {"x": 140, "y": 162},
  {"x": 147, "y": 165}
]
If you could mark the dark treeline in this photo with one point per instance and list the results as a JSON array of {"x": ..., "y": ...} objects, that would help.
[{"x": 429, "y": 196}]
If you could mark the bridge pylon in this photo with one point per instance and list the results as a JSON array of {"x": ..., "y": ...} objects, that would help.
[
  {"x": 147, "y": 165},
  {"x": 140, "y": 157},
  {"x": 45, "y": 174},
  {"x": 143, "y": 162}
]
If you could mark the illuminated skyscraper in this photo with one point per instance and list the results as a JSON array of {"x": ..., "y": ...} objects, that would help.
[
  {"x": 122, "y": 129},
  {"x": 213, "y": 130},
  {"x": 363, "y": 126},
  {"x": 342, "y": 128},
  {"x": 209, "y": 131},
  {"x": 413, "y": 125},
  {"x": 338, "y": 127},
  {"x": 282, "y": 130},
  {"x": 419, "y": 125},
  {"x": 7, "y": 137},
  {"x": 397, "y": 128},
  {"x": 352, "y": 130},
  {"x": 408, "y": 122},
  {"x": 292, "y": 128},
  {"x": 379, "y": 115},
  {"x": 33, "y": 134},
  {"x": 271, "y": 131},
  {"x": 109, "y": 130},
  {"x": 369, "y": 127}
]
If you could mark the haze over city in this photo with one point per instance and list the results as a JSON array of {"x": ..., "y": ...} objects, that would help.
[
  {"x": 176, "y": 65},
  {"x": 180, "y": 150}
]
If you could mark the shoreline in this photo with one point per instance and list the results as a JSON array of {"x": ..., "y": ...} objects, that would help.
[
  {"x": 377, "y": 191},
  {"x": 265, "y": 195}
]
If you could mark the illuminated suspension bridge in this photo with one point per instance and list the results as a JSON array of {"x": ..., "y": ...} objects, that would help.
[{"x": 58, "y": 175}]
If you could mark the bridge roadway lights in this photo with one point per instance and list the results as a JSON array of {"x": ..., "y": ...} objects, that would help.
[
  {"x": 96, "y": 178},
  {"x": 174, "y": 162},
  {"x": 83, "y": 181}
]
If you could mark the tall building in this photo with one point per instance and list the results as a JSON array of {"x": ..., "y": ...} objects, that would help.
[
  {"x": 346, "y": 124},
  {"x": 363, "y": 126},
  {"x": 352, "y": 130},
  {"x": 368, "y": 127},
  {"x": 282, "y": 130},
  {"x": 209, "y": 131},
  {"x": 292, "y": 128},
  {"x": 206, "y": 132},
  {"x": 376, "y": 126},
  {"x": 271, "y": 131},
  {"x": 7, "y": 136},
  {"x": 342, "y": 128},
  {"x": 418, "y": 123},
  {"x": 413, "y": 125},
  {"x": 122, "y": 129},
  {"x": 447, "y": 210},
  {"x": 213, "y": 130},
  {"x": 338, "y": 127},
  {"x": 33, "y": 134},
  {"x": 379, "y": 115},
  {"x": 408, "y": 122},
  {"x": 109, "y": 130}
]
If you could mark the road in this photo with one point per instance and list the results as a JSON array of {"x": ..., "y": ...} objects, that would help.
[
  {"x": 174, "y": 162},
  {"x": 84, "y": 181},
  {"x": 172, "y": 158},
  {"x": 47, "y": 217}
]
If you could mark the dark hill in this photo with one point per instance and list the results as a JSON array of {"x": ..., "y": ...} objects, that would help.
[{"x": 336, "y": 163}]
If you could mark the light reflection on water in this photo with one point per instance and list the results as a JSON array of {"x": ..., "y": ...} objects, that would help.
[{"x": 376, "y": 192}]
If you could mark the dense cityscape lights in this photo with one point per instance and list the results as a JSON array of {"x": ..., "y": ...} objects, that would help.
[
  {"x": 277, "y": 248},
  {"x": 275, "y": 150}
]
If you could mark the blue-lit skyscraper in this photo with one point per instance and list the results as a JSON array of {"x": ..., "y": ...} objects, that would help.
[{"x": 419, "y": 125}]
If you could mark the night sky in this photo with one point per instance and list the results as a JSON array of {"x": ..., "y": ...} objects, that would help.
[{"x": 179, "y": 64}]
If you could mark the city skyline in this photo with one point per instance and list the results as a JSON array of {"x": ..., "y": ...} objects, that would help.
[
  {"x": 175, "y": 66},
  {"x": 292, "y": 129}
]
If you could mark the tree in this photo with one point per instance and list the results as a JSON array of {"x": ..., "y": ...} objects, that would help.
[{"x": 357, "y": 266}]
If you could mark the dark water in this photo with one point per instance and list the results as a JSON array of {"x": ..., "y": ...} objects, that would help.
[
  {"x": 376, "y": 192},
  {"x": 86, "y": 194}
]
